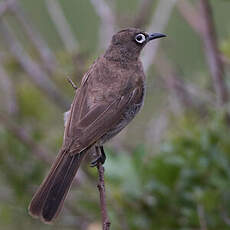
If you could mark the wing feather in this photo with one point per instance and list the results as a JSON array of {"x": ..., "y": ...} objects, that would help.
[{"x": 100, "y": 119}]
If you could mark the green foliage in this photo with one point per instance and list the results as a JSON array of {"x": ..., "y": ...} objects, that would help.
[
  {"x": 187, "y": 182},
  {"x": 183, "y": 185},
  {"x": 168, "y": 189},
  {"x": 18, "y": 166},
  {"x": 225, "y": 47}
]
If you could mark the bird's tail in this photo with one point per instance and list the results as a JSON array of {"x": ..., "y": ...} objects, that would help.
[{"x": 48, "y": 200}]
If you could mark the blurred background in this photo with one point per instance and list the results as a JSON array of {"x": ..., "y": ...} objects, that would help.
[{"x": 170, "y": 168}]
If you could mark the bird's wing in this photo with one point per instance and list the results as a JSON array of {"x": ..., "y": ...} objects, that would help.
[{"x": 98, "y": 120}]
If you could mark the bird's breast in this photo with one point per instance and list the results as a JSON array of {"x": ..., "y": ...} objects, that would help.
[{"x": 125, "y": 118}]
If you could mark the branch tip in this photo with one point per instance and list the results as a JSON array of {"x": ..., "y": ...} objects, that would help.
[{"x": 72, "y": 83}]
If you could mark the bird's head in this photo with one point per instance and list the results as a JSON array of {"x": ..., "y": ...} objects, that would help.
[{"x": 128, "y": 43}]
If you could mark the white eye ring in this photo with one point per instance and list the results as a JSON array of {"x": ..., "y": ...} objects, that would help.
[{"x": 140, "y": 38}]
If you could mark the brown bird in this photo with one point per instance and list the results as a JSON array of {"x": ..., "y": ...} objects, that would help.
[{"x": 110, "y": 95}]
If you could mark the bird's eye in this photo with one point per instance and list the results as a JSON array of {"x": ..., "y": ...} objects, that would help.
[{"x": 140, "y": 38}]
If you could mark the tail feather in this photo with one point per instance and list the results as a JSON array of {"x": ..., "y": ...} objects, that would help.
[
  {"x": 49, "y": 198},
  {"x": 39, "y": 197},
  {"x": 60, "y": 187}
]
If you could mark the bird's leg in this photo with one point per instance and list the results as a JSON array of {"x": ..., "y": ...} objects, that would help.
[{"x": 101, "y": 157}]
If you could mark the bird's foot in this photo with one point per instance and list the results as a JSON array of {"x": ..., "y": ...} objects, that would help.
[{"x": 100, "y": 159}]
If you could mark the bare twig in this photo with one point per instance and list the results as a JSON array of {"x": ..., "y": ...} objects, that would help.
[
  {"x": 174, "y": 83},
  {"x": 182, "y": 94},
  {"x": 37, "y": 74},
  {"x": 3, "y": 7},
  {"x": 225, "y": 59},
  {"x": 38, "y": 150},
  {"x": 201, "y": 215},
  {"x": 41, "y": 153},
  {"x": 225, "y": 216},
  {"x": 158, "y": 23},
  {"x": 191, "y": 15},
  {"x": 8, "y": 92},
  {"x": 179, "y": 97},
  {"x": 62, "y": 26},
  {"x": 72, "y": 83},
  {"x": 101, "y": 187},
  {"x": 25, "y": 138},
  {"x": 212, "y": 52},
  {"x": 202, "y": 23},
  {"x": 156, "y": 129},
  {"x": 107, "y": 19},
  {"x": 143, "y": 13},
  {"x": 48, "y": 58}
]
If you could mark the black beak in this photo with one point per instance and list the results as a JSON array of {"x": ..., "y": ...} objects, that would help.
[{"x": 155, "y": 36}]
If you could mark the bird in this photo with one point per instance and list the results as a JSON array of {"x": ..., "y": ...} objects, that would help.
[{"x": 110, "y": 95}]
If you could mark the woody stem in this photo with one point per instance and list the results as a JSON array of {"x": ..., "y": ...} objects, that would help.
[{"x": 101, "y": 187}]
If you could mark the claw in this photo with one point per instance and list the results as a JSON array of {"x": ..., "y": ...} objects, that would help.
[
  {"x": 100, "y": 159},
  {"x": 94, "y": 163}
]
